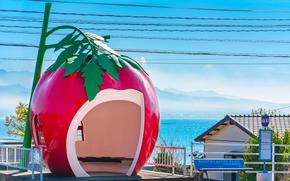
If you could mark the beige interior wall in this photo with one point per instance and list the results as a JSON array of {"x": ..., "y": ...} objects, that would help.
[
  {"x": 93, "y": 168},
  {"x": 111, "y": 129}
]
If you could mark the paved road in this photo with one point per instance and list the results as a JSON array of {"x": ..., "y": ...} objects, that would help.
[{"x": 14, "y": 175}]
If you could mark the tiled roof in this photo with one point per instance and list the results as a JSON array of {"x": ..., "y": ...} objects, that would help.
[
  {"x": 279, "y": 123},
  {"x": 250, "y": 124}
]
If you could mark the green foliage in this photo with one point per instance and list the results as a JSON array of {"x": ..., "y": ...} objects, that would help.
[
  {"x": 132, "y": 62},
  {"x": 88, "y": 57},
  {"x": 74, "y": 64},
  {"x": 64, "y": 56},
  {"x": 16, "y": 123},
  {"x": 278, "y": 158},
  {"x": 64, "y": 41},
  {"x": 109, "y": 65},
  {"x": 93, "y": 79},
  {"x": 107, "y": 37},
  {"x": 260, "y": 111}
]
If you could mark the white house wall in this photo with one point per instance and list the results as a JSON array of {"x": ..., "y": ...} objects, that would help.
[{"x": 228, "y": 134}]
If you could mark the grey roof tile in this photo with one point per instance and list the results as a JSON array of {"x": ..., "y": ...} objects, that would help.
[
  {"x": 250, "y": 124},
  {"x": 277, "y": 122}
]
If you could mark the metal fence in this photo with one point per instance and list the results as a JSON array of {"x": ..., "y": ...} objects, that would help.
[
  {"x": 169, "y": 159},
  {"x": 217, "y": 150},
  {"x": 13, "y": 156}
]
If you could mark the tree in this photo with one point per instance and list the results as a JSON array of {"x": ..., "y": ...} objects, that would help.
[
  {"x": 285, "y": 139},
  {"x": 260, "y": 111},
  {"x": 16, "y": 123}
]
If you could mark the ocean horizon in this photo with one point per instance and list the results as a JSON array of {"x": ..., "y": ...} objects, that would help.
[{"x": 173, "y": 131}]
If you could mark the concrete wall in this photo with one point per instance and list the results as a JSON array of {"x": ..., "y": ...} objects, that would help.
[{"x": 229, "y": 134}]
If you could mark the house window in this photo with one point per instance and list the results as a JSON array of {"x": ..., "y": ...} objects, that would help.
[
  {"x": 80, "y": 133},
  {"x": 37, "y": 126}
]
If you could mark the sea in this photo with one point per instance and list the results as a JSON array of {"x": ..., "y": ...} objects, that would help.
[
  {"x": 172, "y": 132},
  {"x": 180, "y": 132}
]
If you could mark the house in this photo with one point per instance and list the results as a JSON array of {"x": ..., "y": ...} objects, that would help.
[{"x": 237, "y": 129}]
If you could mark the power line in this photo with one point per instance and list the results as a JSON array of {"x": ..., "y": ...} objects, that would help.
[
  {"x": 183, "y": 30},
  {"x": 215, "y": 58},
  {"x": 172, "y": 52},
  {"x": 19, "y": 45},
  {"x": 167, "y": 63},
  {"x": 127, "y": 23},
  {"x": 158, "y": 59},
  {"x": 201, "y": 39},
  {"x": 214, "y": 63},
  {"x": 22, "y": 59},
  {"x": 23, "y": 32},
  {"x": 186, "y": 30},
  {"x": 146, "y": 16},
  {"x": 199, "y": 53},
  {"x": 162, "y": 6},
  {"x": 149, "y": 37}
]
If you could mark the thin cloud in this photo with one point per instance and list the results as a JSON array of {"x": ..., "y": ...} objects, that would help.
[{"x": 236, "y": 85}]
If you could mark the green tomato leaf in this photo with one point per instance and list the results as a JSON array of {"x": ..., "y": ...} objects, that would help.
[
  {"x": 63, "y": 56},
  {"x": 106, "y": 38},
  {"x": 64, "y": 41},
  {"x": 75, "y": 37},
  {"x": 74, "y": 63},
  {"x": 116, "y": 60},
  {"x": 93, "y": 76},
  {"x": 122, "y": 62},
  {"x": 108, "y": 64},
  {"x": 84, "y": 47}
]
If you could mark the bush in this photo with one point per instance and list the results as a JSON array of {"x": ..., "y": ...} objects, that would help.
[
  {"x": 285, "y": 139},
  {"x": 16, "y": 123},
  {"x": 167, "y": 157}
]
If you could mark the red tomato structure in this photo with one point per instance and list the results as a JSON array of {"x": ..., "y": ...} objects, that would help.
[{"x": 113, "y": 133}]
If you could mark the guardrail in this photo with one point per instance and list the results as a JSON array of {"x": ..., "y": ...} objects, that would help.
[
  {"x": 10, "y": 156},
  {"x": 235, "y": 149},
  {"x": 169, "y": 159}
]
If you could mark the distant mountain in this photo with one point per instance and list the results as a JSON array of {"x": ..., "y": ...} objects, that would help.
[
  {"x": 176, "y": 103},
  {"x": 203, "y": 93},
  {"x": 10, "y": 95},
  {"x": 23, "y": 78},
  {"x": 15, "y": 87}
]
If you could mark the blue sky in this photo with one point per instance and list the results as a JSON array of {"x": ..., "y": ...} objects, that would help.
[{"x": 261, "y": 82}]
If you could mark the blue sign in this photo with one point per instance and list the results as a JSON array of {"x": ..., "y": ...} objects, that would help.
[
  {"x": 265, "y": 120},
  {"x": 265, "y": 145},
  {"x": 230, "y": 163}
]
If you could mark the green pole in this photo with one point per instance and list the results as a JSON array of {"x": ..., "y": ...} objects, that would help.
[{"x": 37, "y": 71}]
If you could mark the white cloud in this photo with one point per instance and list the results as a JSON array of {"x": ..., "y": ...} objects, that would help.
[
  {"x": 235, "y": 85},
  {"x": 265, "y": 68},
  {"x": 208, "y": 67},
  {"x": 141, "y": 60}
]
